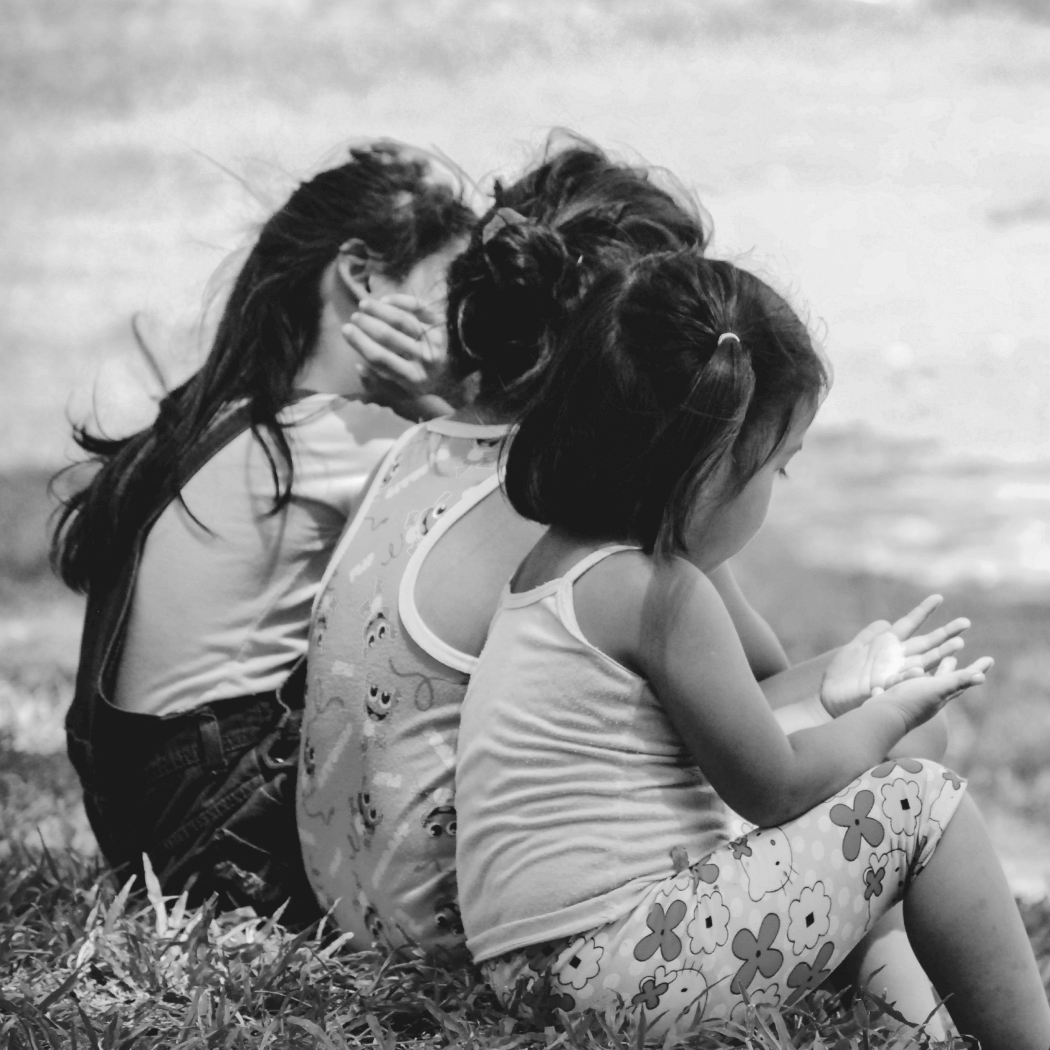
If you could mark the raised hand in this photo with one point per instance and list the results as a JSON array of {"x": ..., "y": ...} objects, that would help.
[
  {"x": 919, "y": 698},
  {"x": 402, "y": 340},
  {"x": 884, "y": 655}
]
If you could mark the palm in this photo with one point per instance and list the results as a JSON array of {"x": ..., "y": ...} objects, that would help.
[
  {"x": 861, "y": 666},
  {"x": 885, "y": 654}
]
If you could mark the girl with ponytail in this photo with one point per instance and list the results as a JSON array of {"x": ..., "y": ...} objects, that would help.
[
  {"x": 613, "y": 706},
  {"x": 200, "y": 541}
]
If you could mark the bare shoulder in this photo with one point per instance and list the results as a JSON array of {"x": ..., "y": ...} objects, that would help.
[{"x": 625, "y": 597}]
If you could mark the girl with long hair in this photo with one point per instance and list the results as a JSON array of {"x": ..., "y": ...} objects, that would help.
[{"x": 200, "y": 541}]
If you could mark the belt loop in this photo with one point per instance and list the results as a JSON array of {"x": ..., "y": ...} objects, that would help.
[{"x": 211, "y": 740}]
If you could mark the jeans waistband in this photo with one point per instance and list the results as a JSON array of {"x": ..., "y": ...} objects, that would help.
[{"x": 205, "y": 736}]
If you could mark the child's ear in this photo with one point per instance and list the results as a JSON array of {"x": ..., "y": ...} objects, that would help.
[{"x": 354, "y": 267}]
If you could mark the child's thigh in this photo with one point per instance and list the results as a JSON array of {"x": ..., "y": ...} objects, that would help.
[{"x": 769, "y": 915}]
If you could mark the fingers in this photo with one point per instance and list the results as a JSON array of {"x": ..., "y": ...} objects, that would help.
[
  {"x": 386, "y": 335},
  {"x": 933, "y": 657},
  {"x": 429, "y": 312},
  {"x": 908, "y": 624},
  {"x": 399, "y": 312},
  {"x": 922, "y": 642},
  {"x": 872, "y": 631},
  {"x": 901, "y": 676},
  {"x": 387, "y": 364}
]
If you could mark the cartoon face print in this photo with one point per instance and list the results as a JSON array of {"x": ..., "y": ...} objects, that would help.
[
  {"x": 379, "y": 702},
  {"x": 484, "y": 450},
  {"x": 378, "y": 626},
  {"x": 320, "y": 631},
  {"x": 420, "y": 522},
  {"x": 440, "y": 822},
  {"x": 390, "y": 470},
  {"x": 766, "y": 862},
  {"x": 309, "y": 759},
  {"x": 370, "y": 815},
  {"x": 374, "y": 923},
  {"x": 447, "y": 918},
  {"x": 686, "y": 991}
]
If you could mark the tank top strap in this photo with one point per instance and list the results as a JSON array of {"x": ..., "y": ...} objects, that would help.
[{"x": 592, "y": 559}]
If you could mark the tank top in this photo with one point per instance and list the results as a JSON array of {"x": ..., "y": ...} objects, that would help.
[
  {"x": 376, "y": 807},
  {"x": 572, "y": 786}
]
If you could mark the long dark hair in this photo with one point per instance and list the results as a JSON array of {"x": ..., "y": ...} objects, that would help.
[
  {"x": 533, "y": 256},
  {"x": 386, "y": 195},
  {"x": 674, "y": 368}
]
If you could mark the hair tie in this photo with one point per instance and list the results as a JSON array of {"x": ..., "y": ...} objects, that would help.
[
  {"x": 729, "y": 335},
  {"x": 503, "y": 217}
]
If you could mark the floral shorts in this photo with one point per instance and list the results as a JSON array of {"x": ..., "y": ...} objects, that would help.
[{"x": 767, "y": 916}]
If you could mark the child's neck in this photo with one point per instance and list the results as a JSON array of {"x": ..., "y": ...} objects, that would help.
[{"x": 556, "y": 552}]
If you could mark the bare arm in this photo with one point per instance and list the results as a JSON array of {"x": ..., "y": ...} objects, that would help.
[
  {"x": 765, "y": 654},
  {"x": 667, "y": 620}
]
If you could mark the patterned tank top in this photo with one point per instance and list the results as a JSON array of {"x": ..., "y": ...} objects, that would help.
[{"x": 376, "y": 807}]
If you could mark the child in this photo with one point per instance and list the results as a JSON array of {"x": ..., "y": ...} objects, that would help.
[
  {"x": 612, "y": 701},
  {"x": 202, "y": 539},
  {"x": 408, "y": 595}
]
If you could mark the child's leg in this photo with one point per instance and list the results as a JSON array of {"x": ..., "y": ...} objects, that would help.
[
  {"x": 967, "y": 933},
  {"x": 771, "y": 914},
  {"x": 885, "y": 962}
]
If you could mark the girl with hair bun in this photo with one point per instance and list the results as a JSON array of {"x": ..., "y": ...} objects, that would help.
[
  {"x": 613, "y": 707},
  {"x": 406, "y": 601},
  {"x": 200, "y": 541}
]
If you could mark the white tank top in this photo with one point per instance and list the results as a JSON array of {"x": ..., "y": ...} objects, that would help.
[{"x": 572, "y": 785}]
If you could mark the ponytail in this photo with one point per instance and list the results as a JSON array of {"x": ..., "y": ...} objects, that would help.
[{"x": 648, "y": 405}]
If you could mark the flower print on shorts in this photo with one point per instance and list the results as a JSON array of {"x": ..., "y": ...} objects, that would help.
[
  {"x": 901, "y": 805},
  {"x": 757, "y": 953},
  {"x": 908, "y": 765},
  {"x": 698, "y": 940},
  {"x": 580, "y": 962},
  {"x": 858, "y": 824},
  {"x": 676, "y": 991},
  {"x": 759, "y": 996},
  {"x": 662, "y": 937},
  {"x": 708, "y": 929},
  {"x": 809, "y": 917},
  {"x": 805, "y": 977}
]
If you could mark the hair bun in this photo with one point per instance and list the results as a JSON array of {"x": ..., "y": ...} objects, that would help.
[{"x": 524, "y": 287}]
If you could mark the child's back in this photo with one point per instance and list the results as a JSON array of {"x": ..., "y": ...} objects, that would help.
[{"x": 572, "y": 783}]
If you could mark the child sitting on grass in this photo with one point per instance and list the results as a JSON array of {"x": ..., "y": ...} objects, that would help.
[
  {"x": 612, "y": 701},
  {"x": 200, "y": 541}
]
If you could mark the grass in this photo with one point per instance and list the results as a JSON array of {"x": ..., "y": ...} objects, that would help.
[{"x": 83, "y": 963}]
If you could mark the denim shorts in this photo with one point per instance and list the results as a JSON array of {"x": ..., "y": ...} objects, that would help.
[{"x": 209, "y": 795}]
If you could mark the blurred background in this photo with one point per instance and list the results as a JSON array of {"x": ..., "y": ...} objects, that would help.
[{"x": 887, "y": 165}]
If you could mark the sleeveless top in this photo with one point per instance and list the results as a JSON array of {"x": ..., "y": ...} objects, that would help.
[
  {"x": 572, "y": 786},
  {"x": 375, "y": 807},
  {"x": 222, "y": 598}
]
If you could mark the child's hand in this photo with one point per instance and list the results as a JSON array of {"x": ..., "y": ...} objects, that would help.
[
  {"x": 885, "y": 654},
  {"x": 919, "y": 699},
  {"x": 402, "y": 340}
]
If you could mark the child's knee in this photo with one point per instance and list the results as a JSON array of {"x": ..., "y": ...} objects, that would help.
[{"x": 913, "y": 800}]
